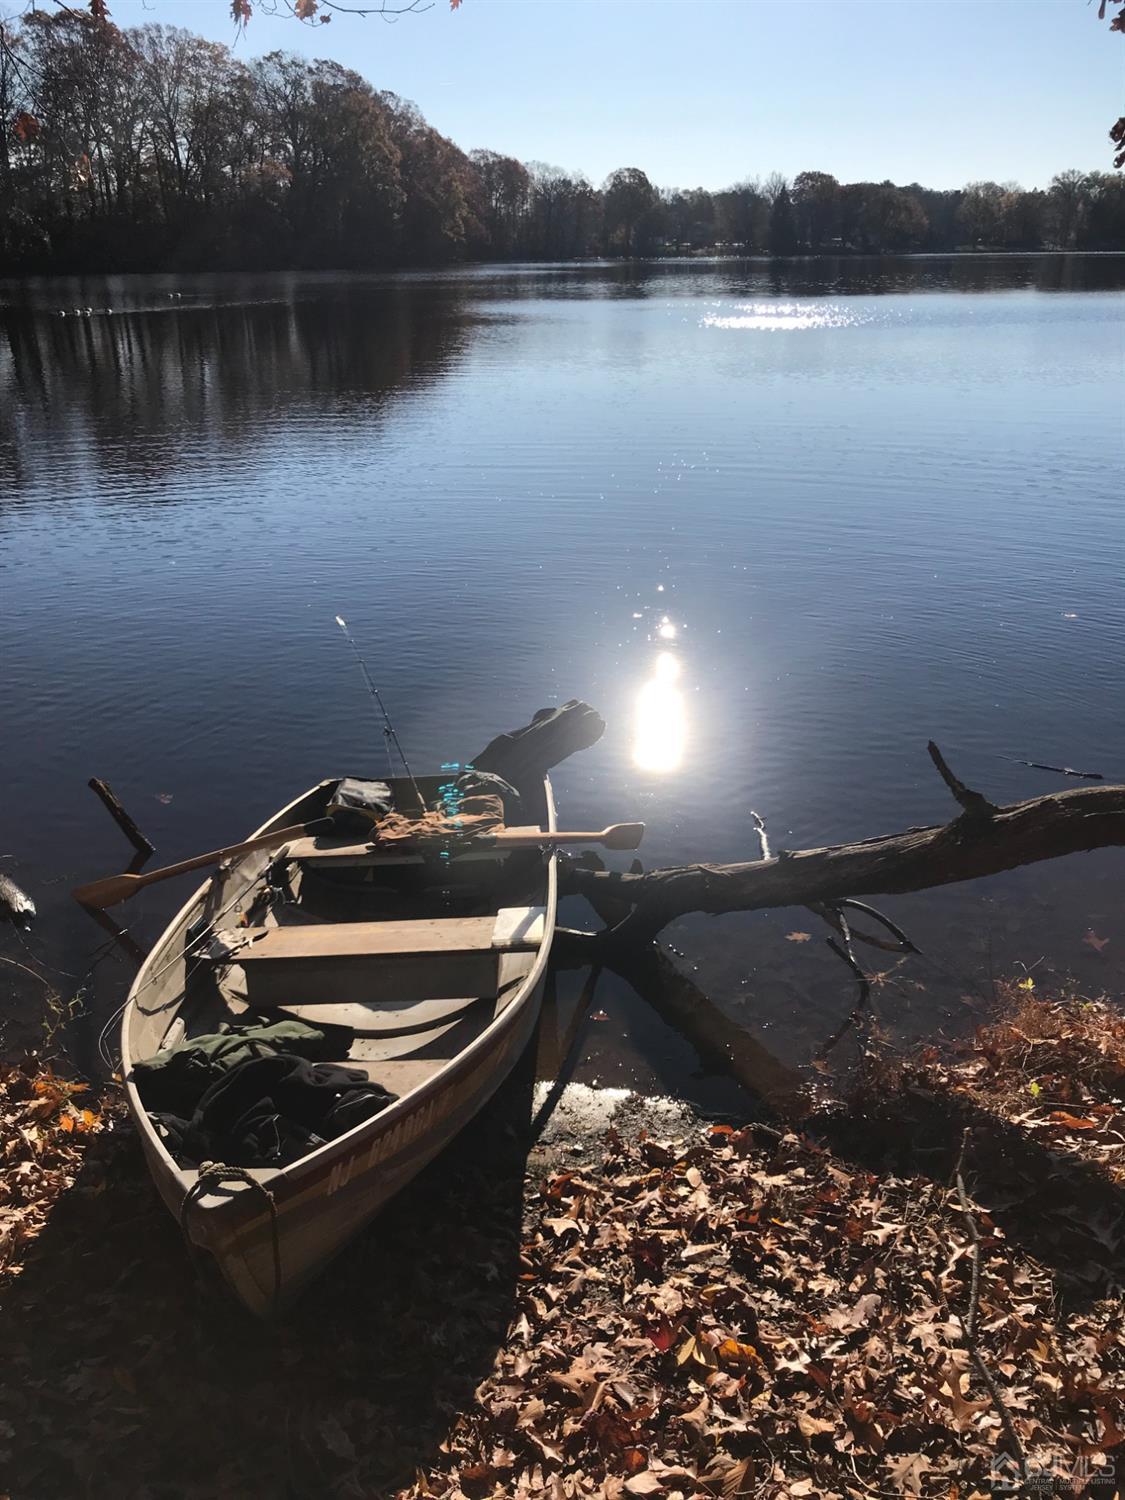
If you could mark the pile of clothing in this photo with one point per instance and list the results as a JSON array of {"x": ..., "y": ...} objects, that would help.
[{"x": 256, "y": 1094}]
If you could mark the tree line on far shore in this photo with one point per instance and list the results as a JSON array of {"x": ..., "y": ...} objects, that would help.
[{"x": 152, "y": 147}]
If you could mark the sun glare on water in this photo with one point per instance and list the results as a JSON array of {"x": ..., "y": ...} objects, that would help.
[
  {"x": 659, "y": 724},
  {"x": 780, "y": 317}
]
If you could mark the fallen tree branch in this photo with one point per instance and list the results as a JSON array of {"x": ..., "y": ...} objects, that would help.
[
  {"x": 834, "y": 916},
  {"x": 972, "y": 846},
  {"x": 969, "y": 1323},
  {"x": 974, "y": 805},
  {"x": 1038, "y": 765},
  {"x": 113, "y": 806}
]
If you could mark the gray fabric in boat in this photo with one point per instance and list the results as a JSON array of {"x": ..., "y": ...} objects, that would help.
[
  {"x": 474, "y": 783},
  {"x": 176, "y": 1078}
]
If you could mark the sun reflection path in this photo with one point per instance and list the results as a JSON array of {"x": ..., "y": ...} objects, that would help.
[
  {"x": 782, "y": 317},
  {"x": 660, "y": 725}
]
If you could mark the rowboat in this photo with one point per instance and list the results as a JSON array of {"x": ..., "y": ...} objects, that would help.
[{"x": 436, "y": 964}]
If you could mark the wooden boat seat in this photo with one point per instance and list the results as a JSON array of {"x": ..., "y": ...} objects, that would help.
[
  {"x": 337, "y": 853},
  {"x": 335, "y": 963}
]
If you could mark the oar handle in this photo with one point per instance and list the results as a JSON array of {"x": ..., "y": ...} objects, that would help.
[
  {"x": 216, "y": 856},
  {"x": 617, "y": 836},
  {"x": 102, "y": 893}
]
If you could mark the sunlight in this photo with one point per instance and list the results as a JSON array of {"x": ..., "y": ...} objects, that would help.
[
  {"x": 659, "y": 724},
  {"x": 781, "y": 317}
]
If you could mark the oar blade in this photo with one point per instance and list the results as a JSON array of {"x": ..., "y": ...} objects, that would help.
[
  {"x": 624, "y": 835},
  {"x": 102, "y": 893}
]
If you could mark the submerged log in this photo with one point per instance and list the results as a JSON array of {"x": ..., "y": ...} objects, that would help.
[
  {"x": 983, "y": 840},
  {"x": 113, "y": 806},
  {"x": 524, "y": 756},
  {"x": 16, "y": 905}
]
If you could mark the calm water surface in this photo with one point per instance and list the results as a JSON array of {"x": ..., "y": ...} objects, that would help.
[{"x": 780, "y": 523}]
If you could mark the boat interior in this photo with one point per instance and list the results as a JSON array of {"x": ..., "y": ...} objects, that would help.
[{"x": 416, "y": 952}]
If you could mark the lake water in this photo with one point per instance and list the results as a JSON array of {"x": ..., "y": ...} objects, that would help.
[{"x": 780, "y": 522}]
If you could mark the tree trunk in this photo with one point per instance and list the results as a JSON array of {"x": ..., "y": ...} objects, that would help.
[{"x": 983, "y": 840}]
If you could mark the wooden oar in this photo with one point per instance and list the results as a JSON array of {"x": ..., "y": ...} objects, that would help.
[
  {"x": 616, "y": 836},
  {"x": 115, "y": 888}
]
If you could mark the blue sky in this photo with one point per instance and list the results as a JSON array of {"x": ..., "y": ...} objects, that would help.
[{"x": 707, "y": 92}]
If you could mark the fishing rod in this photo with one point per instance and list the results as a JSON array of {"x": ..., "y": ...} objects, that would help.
[{"x": 389, "y": 735}]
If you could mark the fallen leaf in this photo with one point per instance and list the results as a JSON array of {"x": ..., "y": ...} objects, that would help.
[
  {"x": 907, "y": 1471},
  {"x": 798, "y": 937},
  {"x": 847, "y": 1320},
  {"x": 742, "y": 1356},
  {"x": 643, "y": 1484},
  {"x": 559, "y": 1227},
  {"x": 810, "y": 1427},
  {"x": 336, "y": 1440},
  {"x": 1071, "y": 1122},
  {"x": 1092, "y": 940}
]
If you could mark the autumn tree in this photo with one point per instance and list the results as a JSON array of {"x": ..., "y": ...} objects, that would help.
[
  {"x": 981, "y": 212},
  {"x": 150, "y": 147},
  {"x": 1067, "y": 206},
  {"x": 742, "y": 217},
  {"x": 877, "y": 216},
  {"x": 628, "y": 200},
  {"x": 1105, "y": 211},
  {"x": 503, "y": 192},
  {"x": 563, "y": 214},
  {"x": 437, "y": 184},
  {"x": 783, "y": 223},
  {"x": 688, "y": 218},
  {"x": 1117, "y": 23},
  {"x": 816, "y": 207}
]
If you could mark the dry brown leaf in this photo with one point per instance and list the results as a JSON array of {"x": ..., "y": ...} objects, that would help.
[
  {"x": 1071, "y": 1122},
  {"x": 644, "y": 1484},
  {"x": 906, "y": 1472},
  {"x": 810, "y": 1427},
  {"x": 741, "y": 1356}
]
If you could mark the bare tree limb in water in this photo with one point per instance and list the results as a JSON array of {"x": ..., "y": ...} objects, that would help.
[{"x": 983, "y": 839}]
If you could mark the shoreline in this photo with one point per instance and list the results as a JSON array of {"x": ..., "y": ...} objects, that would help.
[
  {"x": 637, "y": 1302},
  {"x": 15, "y": 276}
]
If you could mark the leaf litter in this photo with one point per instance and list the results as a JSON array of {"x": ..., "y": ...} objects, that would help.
[{"x": 729, "y": 1311}]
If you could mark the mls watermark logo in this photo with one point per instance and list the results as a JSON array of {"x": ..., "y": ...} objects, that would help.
[
  {"x": 1005, "y": 1475},
  {"x": 1053, "y": 1477}
]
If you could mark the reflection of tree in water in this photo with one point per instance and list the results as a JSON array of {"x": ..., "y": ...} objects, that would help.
[
  {"x": 873, "y": 275},
  {"x": 136, "y": 390},
  {"x": 133, "y": 391}
]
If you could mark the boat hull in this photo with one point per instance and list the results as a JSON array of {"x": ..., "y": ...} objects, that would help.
[
  {"x": 270, "y": 1232},
  {"x": 315, "y": 1213}
]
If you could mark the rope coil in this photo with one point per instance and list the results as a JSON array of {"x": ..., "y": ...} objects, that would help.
[{"x": 215, "y": 1172}]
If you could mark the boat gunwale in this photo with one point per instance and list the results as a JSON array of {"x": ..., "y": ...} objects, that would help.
[{"x": 315, "y": 1162}]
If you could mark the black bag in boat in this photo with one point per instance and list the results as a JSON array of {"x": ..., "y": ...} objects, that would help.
[
  {"x": 269, "y": 1111},
  {"x": 356, "y": 806}
]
